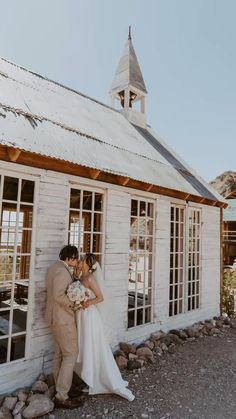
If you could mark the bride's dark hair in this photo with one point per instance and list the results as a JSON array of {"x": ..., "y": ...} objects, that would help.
[{"x": 90, "y": 259}]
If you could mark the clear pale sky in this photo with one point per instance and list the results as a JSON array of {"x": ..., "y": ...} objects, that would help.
[{"x": 186, "y": 50}]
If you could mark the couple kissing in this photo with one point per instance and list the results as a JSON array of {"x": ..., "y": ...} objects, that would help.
[{"x": 79, "y": 329}]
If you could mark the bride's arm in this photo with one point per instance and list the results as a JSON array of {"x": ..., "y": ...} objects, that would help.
[{"x": 94, "y": 287}]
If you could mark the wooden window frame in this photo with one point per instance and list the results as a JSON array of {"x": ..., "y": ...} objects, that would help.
[
  {"x": 191, "y": 300},
  {"x": 14, "y": 282},
  {"x": 88, "y": 233},
  {"x": 137, "y": 271}
]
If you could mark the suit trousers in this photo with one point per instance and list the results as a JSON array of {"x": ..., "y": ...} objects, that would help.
[{"x": 65, "y": 356}]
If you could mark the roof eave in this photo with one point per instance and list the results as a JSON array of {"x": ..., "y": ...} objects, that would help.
[{"x": 20, "y": 156}]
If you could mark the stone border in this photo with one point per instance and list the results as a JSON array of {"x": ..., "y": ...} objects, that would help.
[
  {"x": 37, "y": 401},
  {"x": 133, "y": 357}
]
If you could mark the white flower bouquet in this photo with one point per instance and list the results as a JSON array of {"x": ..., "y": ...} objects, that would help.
[{"x": 76, "y": 293}]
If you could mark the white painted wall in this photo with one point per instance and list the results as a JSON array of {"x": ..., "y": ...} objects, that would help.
[{"x": 51, "y": 234}]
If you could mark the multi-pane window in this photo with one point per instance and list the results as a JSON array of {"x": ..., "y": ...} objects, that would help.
[
  {"x": 140, "y": 262},
  {"x": 86, "y": 221},
  {"x": 176, "y": 289},
  {"x": 194, "y": 225},
  {"x": 185, "y": 259},
  {"x": 16, "y": 201}
]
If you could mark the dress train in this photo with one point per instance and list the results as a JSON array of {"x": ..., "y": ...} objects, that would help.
[{"x": 96, "y": 364}]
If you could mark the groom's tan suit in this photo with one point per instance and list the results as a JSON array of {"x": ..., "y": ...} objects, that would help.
[{"x": 60, "y": 316}]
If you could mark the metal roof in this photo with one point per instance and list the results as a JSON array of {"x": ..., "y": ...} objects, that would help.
[{"x": 41, "y": 116}]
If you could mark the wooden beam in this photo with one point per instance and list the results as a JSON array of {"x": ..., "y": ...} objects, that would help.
[
  {"x": 94, "y": 173},
  {"x": 149, "y": 188},
  {"x": 48, "y": 163},
  {"x": 125, "y": 181},
  {"x": 13, "y": 153},
  {"x": 122, "y": 180}
]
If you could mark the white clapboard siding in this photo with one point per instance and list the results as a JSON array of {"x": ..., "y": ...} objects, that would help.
[
  {"x": 52, "y": 219},
  {"x": 19, "y": 374},
  {"x": 51, "y": 235},
  {"x": 116, "y": 255}
]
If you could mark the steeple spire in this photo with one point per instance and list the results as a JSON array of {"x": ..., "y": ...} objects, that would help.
[
  {"x": 129, "y": 36},
  {"x": 128, "y": 86}
]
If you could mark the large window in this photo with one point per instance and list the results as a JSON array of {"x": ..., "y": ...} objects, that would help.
[
  {"x": 16, "y": 201},
  {"x": 194, "y": 228},
  {"x": 86, "y": 221},
  {"x": 185, "y": 259},
  {"x": 176, "y": 289},
  {"x": 140, "y": 286}
]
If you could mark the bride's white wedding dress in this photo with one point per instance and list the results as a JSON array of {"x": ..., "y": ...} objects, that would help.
[{"x": 96, "y": 364}]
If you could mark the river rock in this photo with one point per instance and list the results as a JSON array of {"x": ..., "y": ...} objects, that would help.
[
  {"x": 149, "y": 344},
  {"x": 39, "y": 405},
  {"x": 5, "y": 413},
  {"x": 22, "y": 395},
  {"x": 121, "y": 362},
  {"x": 18, "y": 407},
  {"x": 127, "y": 348},
  {"x": 175, "y": 339},
  {"x": 10, "y": 402},
  {"x": 157, "y": 335},
  {"x": 146, "y": 354},
  {"x": 39, "y": 386}
]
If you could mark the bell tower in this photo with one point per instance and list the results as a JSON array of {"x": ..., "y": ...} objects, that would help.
[{"x": 128, "y": 87}]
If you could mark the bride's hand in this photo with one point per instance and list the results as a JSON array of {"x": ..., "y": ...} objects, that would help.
[{"x": 85, "y": 304}]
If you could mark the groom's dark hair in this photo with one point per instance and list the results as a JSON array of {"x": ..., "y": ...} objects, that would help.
[{"x": 68, "y": 251}]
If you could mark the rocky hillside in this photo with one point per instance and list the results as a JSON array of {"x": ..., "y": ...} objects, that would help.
[{"x": 225, "y": 183}]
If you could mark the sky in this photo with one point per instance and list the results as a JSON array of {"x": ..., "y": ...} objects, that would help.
[{"x": 185, "y": 48}]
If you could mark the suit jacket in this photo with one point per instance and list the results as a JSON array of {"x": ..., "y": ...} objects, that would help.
[{"x": 59, "y": 309}]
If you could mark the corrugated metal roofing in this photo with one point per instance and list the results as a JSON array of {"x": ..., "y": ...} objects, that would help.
[
  {"x": 198, "y": 186},
  {"x": 41, "y": 116}
]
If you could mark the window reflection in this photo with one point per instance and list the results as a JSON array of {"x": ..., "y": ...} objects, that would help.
[
  {"x": 140, "y": 262},
  {"x": 10, "y": 189},
  {"x": 15, "y": 251},
  {"x": 27, "y": 191},
  {"x": 21, "y": 289},
  {"x": 19, "y": 320},
  {"x": 86, "y": 223},
  {"x": 98, "y": 202},
  {"x": 3, "y": 350},
  {"x": 17, "y": 347},
  {"x": 75, "y": 198},
  {"x": 176, "y": 259},
  {"x": 87, "y": 200},
  {"x": 4, "y": 322}
]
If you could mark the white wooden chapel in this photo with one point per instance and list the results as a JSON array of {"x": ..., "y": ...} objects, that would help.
[{"x": 76, "y": 170}]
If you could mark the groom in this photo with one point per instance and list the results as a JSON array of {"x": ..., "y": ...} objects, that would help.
[{"x": 60, "y": 315}]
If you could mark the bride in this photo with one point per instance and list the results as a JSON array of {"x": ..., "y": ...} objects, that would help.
[{"x": 96, "y": 364}]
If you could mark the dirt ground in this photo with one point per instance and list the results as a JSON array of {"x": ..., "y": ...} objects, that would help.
[{"x": 198, "y": 381}]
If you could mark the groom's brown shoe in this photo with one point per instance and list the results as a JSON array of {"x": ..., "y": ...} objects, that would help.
[
  {"x": 75, "y": 392},
  {"x": 68, "y": 403}
]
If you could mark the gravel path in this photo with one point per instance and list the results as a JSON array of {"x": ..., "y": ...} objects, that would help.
[{"x": 198, "y": 381}]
